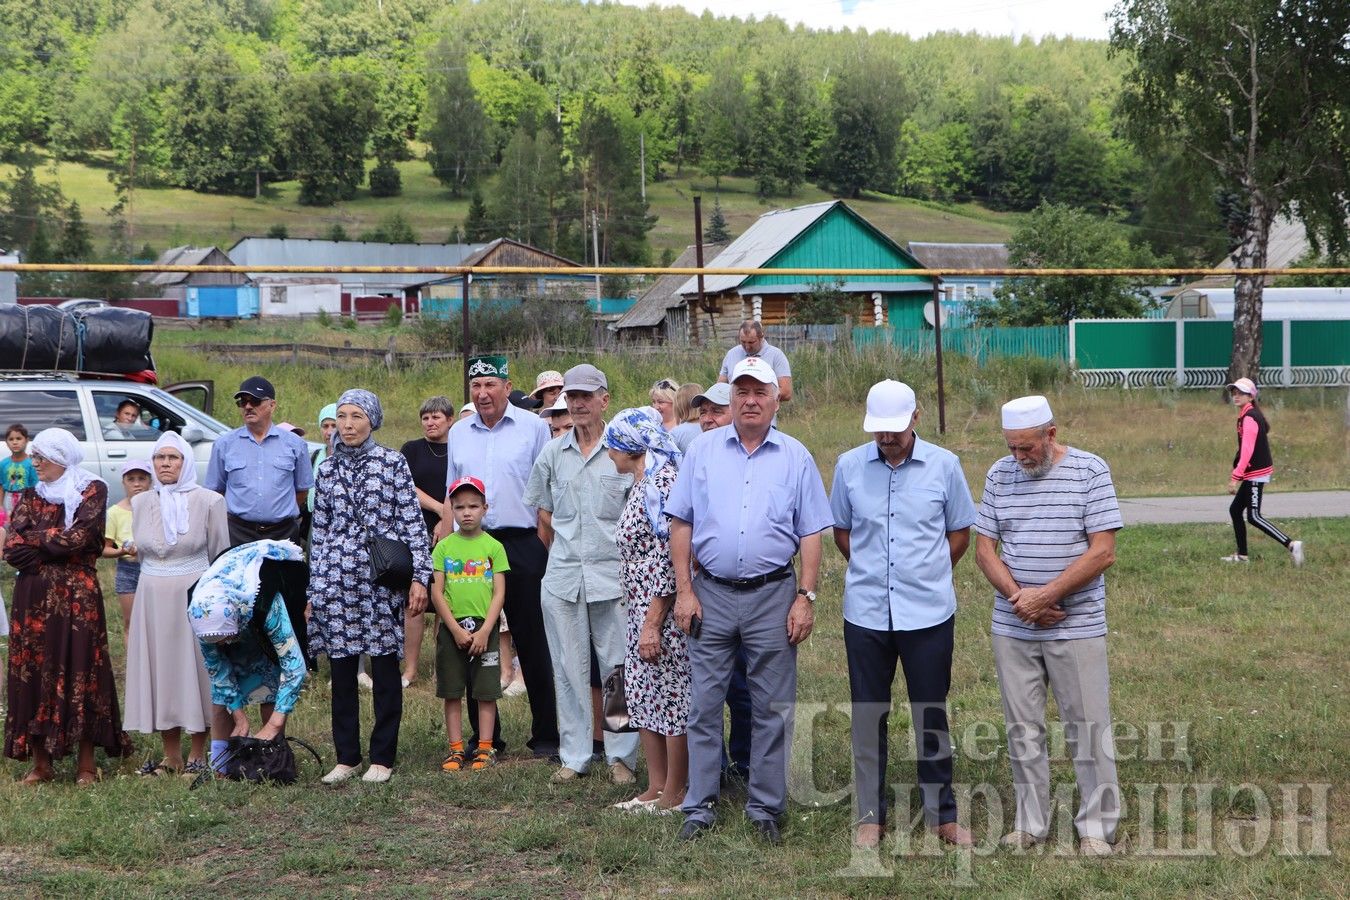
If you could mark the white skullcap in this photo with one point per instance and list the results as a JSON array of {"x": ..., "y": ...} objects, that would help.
[{"x": 1026, "y": 412}]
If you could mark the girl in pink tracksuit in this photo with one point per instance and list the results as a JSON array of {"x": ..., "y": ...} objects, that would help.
[{"x": 1252, "y": 468}]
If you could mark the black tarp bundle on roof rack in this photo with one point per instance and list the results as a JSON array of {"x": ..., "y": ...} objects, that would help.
[{"x": 42, "y": 338}]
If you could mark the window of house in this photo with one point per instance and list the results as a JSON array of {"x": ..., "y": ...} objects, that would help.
[
  {"x": 970, "y": 291},
  {"x": 276, "y": 294}
]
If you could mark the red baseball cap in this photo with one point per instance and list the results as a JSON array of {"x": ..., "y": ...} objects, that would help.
[{"x": 467, "y": 481}]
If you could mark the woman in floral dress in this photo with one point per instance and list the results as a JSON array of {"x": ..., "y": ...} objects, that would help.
[
  {"x": 361, "y": 489},
  {"x": 656, "y": 667},
  {"x": 61, "y": 690}
]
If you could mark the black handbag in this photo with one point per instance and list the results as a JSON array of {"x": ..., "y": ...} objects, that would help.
[
  {"x": 391, "y": 561},
  {"x": 257, "y": 761},
  {"x": 614, "y": 702}
]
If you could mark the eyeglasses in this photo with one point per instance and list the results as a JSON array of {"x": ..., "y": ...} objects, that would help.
[
  {"x": 241, "y": 402},
  {"x": 37, "y": 457}
]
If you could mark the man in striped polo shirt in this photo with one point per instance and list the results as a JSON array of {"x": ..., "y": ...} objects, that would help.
[{"x": 1046, "y": 532}]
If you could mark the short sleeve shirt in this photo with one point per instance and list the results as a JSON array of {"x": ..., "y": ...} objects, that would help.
[
  {"x": 1042, "y": 526},
  {"x": 900, "y": 567},
  {"x": 118, "y": 526},
  {"x": 749, "y": 511},
  {"x": 260, "y": 480},
  {"x": 469, "y": 565},
  {"x": 18, "y": 476},
  {"x": 776, "y": 358}
]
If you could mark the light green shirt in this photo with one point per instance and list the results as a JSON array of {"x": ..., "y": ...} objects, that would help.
[{"x": 585, "y": 496}]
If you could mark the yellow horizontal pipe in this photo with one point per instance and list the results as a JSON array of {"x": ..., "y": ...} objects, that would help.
[{"x": 651, "y": 270}]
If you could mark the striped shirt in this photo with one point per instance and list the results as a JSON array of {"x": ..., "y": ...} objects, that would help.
[{"x": 1042, "y": 526}]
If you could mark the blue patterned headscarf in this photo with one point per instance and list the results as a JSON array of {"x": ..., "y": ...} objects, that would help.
[
  {"x": 639, "y": 430},
  {"x": 370, "y": 405}
]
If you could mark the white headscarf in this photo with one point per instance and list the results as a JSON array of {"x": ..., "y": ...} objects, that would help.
[
  {"x": 60, "y": 446},
  {"x": 173, "y": 498}
]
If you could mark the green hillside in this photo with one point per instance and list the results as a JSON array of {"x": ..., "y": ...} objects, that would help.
[{"x": 168, "y": 217}]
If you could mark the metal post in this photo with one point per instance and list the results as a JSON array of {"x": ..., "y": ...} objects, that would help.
[
  {"x": 464, "y": 328},
  {"x": 595, "y": 248},
  {"x": 937, "y": 343},
  {"x": 642, "y": 164},
  {"x": 697, "y": 305}
]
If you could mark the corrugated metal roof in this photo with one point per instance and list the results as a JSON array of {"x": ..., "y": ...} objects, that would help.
[
  {"x": 664, "y": 294},
  {"x": 960, "y": 256},
  {"x": 1287, "y": 245},
  {"x": 180, "y": 256},
  {"x": 263, "y": 251},
  {"x": 760, "y": 243}
]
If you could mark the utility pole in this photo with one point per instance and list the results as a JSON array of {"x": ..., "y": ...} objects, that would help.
[
  {"x": 642, "y": 157},
  {"x": 595, "y": 251},
  {"x": 697, "y": 303}
]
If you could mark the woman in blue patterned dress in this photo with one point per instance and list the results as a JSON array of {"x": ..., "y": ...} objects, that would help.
[
  {"x": 656, "y": 667},
  {"x": 363, "y": 488}
]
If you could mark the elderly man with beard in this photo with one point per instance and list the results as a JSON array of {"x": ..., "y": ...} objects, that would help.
[{"x": 1046, "y": 532}]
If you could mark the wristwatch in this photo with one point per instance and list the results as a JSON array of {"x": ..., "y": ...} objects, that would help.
[{"x": 809, "y": 595}]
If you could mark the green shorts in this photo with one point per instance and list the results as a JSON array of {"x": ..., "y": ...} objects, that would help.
[{"x": 457, "y": 672}]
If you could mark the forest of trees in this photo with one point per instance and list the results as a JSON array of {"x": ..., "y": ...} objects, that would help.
[{"x": 541, "y": 110}]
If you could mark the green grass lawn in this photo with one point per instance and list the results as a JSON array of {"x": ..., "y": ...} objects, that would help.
[
  {"x": 169, "y": 217},
  {"x": 1249, "y": 662}
]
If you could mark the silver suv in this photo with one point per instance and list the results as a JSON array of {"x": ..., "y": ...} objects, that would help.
[{"x": 88, "y": 407}]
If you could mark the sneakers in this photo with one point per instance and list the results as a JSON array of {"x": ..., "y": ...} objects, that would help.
[
  {"x": 377, "y": 774},
  {"x": 514, "y": 689},
  {"x": 1296, "y": 551},
  {"x": 339, "y": 774},
  {"x": 621, "y": 774},
  {"x": 565, "y": 774},
  {"x": 1237, "y": 558},
  {"x": 364, "y": 681}
]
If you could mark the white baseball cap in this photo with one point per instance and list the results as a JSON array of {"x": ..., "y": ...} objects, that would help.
[
  {"x": 890, "y": 406},
  {"x": 559, "y": 406},
  {"x": 755, "y": 368},
  {"x": 718, "y": 395}
]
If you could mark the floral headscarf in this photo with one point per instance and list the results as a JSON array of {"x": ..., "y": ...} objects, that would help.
[
  {"x": 370, "y": 405},
  {"x": 60, "y": 446},
  {"x": 639, "y": 430}
]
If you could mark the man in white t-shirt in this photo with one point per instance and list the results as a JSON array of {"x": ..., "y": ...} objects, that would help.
[{"x": 752, "y": 343}]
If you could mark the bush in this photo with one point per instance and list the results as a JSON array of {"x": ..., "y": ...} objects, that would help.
[
  {"x": 385, "y": 180},
  {"x": 533, "y": 324},
  {"x": 393, "y": 317}
]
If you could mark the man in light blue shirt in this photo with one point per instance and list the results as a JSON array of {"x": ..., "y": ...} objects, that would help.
[
  {"x": 902, "y": 518},
  {"x": 746, "y": 499},
  {"x": 498, "y": 445},
  {"x": 263, "y": 471},
  {"x": 580, "y": 496}
]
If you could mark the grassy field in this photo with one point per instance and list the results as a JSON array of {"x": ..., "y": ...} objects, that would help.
[
  {"x": 1248, "y": 666},
  {"x": 169, "y": 217}
]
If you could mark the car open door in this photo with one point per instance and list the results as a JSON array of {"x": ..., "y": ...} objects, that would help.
[{"x": 200, "y": 394}]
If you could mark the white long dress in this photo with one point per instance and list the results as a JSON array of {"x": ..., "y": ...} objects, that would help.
[{"x": 167, "y": 684}]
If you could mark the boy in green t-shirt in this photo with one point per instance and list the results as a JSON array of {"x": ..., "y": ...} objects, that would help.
[{"x": 468, "y": 588}]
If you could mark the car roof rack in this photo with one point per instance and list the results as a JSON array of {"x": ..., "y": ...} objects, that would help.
[{"x": 24, "y": 375}]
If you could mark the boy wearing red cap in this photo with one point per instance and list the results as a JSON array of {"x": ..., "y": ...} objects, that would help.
[{"x": 468, "y": 589}]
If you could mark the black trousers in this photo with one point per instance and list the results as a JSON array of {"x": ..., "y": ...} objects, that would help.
[
  {"x": 243, "y": 531},
  {"x": 388, "y": 700},
  {"x": 1248, "y": 500},
  {"x": 529, "y": 558},
  {"x": 926, "y": 657}
]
